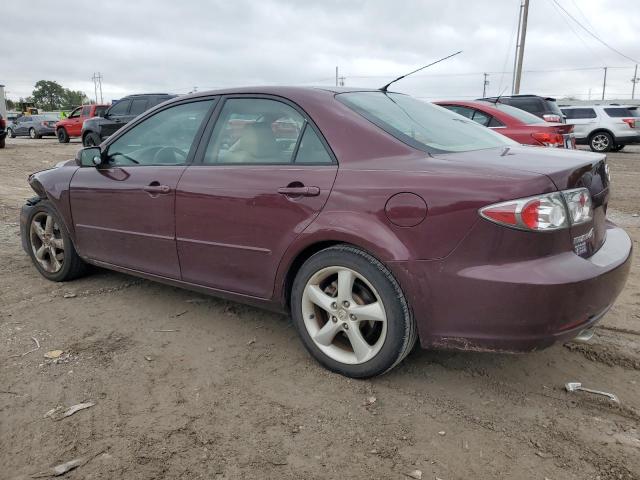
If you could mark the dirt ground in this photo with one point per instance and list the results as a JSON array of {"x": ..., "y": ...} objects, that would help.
[{"x": 227, "y": 391}]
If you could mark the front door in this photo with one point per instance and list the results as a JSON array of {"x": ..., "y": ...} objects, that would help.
[
  {"x": 115, "y": 118},
  {"x": 74, "y": 121},
  {"x": 262, "y": 178},
  {"x": 123, "y": 211}
]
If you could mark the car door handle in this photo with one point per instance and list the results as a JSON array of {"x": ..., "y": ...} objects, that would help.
[
  {"x": 157, "y": 188},
  {"x": 300, "y": 191}
]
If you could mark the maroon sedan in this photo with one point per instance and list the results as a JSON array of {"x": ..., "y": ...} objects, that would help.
[
  {"x": 374, "y": 218},
  {"x": 521, "y": 126}
]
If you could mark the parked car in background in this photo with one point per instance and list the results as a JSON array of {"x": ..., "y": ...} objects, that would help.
[
  {"x": 544, "y": 107},
  {"x": 3, "y": 131},
  {"x": 95, "y": 130},
  {"x": 603, "y": 127},
  {"x": 34, "y": 126},
  {"x": 387, "y": 218},
  {"x": 518, "y": 125},
  {"x": 71, "y": 126}
]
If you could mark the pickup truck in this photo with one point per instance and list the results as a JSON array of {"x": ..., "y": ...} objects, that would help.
[{"x": 72, "y": 125}]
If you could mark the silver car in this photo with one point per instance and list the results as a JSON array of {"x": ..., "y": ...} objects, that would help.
[
  {"x": 603, "y": 127},
  {"x": 34, "y": 126}
]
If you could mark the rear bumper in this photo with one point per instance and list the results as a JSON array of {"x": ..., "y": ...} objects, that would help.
[{"x": 514, "y": 307}]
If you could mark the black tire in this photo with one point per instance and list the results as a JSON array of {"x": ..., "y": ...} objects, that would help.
[
  {"x": 2, "y": 142},
  {"x": 10, "y": 133},
  {"x": 401, "y": 330},
  {"x": 63, "y": 136},
  {"x": 601, "y": 142},
  {"x": 618, "y": 148},
  {"x": 33, "y": 134},
  {"x": 91, "y": 139},
  {"x": 72, "y": 265}
]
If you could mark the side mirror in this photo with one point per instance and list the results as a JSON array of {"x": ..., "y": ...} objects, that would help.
[{"x": 89, "y": 157}]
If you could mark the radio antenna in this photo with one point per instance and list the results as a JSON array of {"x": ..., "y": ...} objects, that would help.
[{"x": 384, "y": 89}]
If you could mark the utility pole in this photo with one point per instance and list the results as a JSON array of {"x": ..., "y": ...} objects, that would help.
[
  {"x": 604, "y": 83},
  {"x": 336, "y": 75},
  {"x": 484, "y": 85},
  {"x": 97, "y": 84},
  {"x": 523, "y": 37},
  {"x": 634, "y": 80},
  {"x": 515, "y": 57}
]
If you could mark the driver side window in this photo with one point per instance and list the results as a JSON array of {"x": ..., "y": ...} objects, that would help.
[
  {"x": 75, "y": 113},
  {"x": 162, "y": 139}
]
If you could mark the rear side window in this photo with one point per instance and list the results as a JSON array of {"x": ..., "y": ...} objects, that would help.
[
  {"x": 100, "y": 111},
  {"x": 254, "y": 131},
  {"x": 138, "y": 105},
  {"x": 311, "y": 149},
  {"x": 618, "y": 112},
  {"x": 576, "y": 113},
  {"x": 86, "y": 111}
]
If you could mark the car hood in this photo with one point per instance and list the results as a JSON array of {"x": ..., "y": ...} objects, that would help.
[{"x": 565, "y": 168}]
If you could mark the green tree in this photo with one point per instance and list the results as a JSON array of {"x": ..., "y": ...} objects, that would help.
[
  {"x": 48, "y": 95},
  {"x": 11, "y": 105},
  {"x": 74, "y": 98}
]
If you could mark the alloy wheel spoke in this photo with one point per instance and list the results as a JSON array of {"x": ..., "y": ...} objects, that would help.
[
  {"x": 319, "y": 298},
  {"x": 361, "y": 348},
  {"x": 48, "y": 225},
  {"x": 37, "y": 228},
  {"x": 327, "y": 333},
  {"x": 55, "y": 263},
  {"x": 372, "y": 311},
  {"x": 40, "y": 252},
  {"x": 345, "y": 285}
]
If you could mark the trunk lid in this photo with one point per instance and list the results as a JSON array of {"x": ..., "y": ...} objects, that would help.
[{"x": 567, "y": 169}]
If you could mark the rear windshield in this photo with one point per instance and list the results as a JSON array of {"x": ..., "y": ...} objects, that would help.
[
  {"x": 422, "y": 125},
  {"x": 618, "y": 112},
  {"x": 524, "y": 117}
]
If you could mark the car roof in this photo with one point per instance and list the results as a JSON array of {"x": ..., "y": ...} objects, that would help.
[{"x": 281, "y": 90}]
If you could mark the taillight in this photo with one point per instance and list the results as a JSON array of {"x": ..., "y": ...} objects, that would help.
[
  {"x": 549, "y": 139},
  {"x": 548, "y": 117},
  {"x": 630, "y": 121},
  {"x": 551, "y": 211},
  {"x": 3, "y": 123}
]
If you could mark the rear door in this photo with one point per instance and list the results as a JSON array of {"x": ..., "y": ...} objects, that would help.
[
  {"x": 264, "y": 173},
  {"x": 584, "y": 120},
  {"x": 123, "y": 212}
]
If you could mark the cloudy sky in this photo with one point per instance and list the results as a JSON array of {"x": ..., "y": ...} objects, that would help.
[{"x": 174, "y": 46}]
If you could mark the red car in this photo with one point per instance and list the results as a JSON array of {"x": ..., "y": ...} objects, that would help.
[
  {"x": 521, "y": 126},
  {"x": 387, "y": 219},
  {"x": 71, "y": 126}
]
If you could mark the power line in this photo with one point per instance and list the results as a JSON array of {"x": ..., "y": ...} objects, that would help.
[
  {"x": 593, "y": 34},
  {"x": 573, "y": 30}
]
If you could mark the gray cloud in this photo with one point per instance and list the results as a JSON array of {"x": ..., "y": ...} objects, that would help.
[{"x": 173, "y": 46}]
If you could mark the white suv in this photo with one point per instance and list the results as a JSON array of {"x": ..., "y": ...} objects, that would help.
[{"x": 603, "y": 127}]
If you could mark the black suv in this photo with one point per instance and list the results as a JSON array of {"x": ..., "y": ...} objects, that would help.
[
  {"x": 96, "y": 129},
  {"x": 543, "y": 107}
]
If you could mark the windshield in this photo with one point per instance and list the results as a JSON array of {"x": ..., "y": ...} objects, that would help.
[
  {"x": 524, "y": 117},
  {"x": 422, "y": 125}
]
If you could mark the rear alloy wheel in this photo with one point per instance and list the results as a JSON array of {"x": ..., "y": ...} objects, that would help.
[
  {"x": 91, "y": 139},
  {"x": 350, "y": 313},
  {"x": 51, "y": 249},
  {"x": 601, "y": 142},
  {"x": 10, "y": 133},
  {"x": 63, "y": 136},
  {"x": 33, "y": 134}
]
